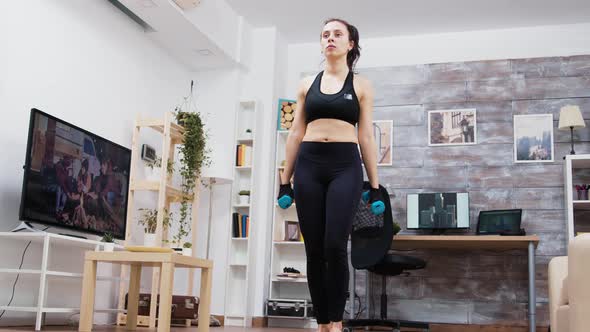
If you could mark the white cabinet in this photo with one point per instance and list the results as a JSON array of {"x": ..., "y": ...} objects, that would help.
[
  {"x": 238, "y": 287},
  {"x": 576, "y": 172},
  {"x": 49, "y": 241}
]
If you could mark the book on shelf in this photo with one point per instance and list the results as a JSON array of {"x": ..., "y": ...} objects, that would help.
[
  {"x": 243, "y": 155},
  {"x": 240, "y": 225}
]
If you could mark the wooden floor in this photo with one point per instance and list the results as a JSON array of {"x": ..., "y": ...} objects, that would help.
[
  {"x": 173, "y": 329},
  {"x": 433, "y": 328}
]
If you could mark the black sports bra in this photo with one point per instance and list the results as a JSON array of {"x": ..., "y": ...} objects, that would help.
[{"x": 343, "y": 105}]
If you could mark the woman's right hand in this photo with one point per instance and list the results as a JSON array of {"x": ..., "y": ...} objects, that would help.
[{"x": 286, "y": 196}]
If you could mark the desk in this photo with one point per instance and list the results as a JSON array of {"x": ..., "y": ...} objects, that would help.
[
  {"x": 167, "y": 262},
  {"x": 475, "y": 242}
]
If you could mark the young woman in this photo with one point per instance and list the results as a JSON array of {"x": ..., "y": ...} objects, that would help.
[{"x": 322, "y": 155}]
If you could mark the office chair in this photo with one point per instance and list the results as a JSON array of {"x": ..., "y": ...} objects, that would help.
[{"x": 370, "y": 251}]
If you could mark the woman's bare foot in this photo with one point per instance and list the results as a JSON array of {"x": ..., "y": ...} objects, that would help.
[{"x": 336, "y": 326}]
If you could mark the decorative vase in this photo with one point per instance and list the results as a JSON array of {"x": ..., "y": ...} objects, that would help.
[
  {"x": 108, "y": 246},
  {"x": 149, "y": 240},
  {"x": 244, "y": 199},
  {"x": 582, "y": 194},
  {"x": 187, "y": 251}
]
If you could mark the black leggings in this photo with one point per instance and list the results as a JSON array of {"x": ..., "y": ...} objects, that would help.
[{"x": 327, "y": 184}]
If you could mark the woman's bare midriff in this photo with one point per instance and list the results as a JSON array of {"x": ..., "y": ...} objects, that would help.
[{"x": 330, "y": 130}]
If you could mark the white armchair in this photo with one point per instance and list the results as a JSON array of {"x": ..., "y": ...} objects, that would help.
[{"x": 569, "y": 288}]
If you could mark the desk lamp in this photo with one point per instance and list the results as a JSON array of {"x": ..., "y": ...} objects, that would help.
[{"x": 571, "y": 118}]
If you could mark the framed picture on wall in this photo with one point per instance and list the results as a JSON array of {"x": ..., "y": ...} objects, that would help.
[
  {"x": 286, "y": 114},
  {"x": 292, "y": 232},
  {"x": 533, "y": 138},
  {"x": 383, "y": 131},
  {"x": 452, "y": 127}
]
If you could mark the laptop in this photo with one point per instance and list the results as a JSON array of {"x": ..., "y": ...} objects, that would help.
[{"x": 502, "y": 222}]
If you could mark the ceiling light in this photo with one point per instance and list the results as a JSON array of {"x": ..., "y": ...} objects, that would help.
[
  {"x": 204, "y": 52},
  {"x": 187, "y": 4}
]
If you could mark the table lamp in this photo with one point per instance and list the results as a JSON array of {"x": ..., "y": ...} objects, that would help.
[{"x": 571, "y": 118}]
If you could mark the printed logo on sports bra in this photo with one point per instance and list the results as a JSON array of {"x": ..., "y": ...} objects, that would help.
[{"x": 348, "y": 96}]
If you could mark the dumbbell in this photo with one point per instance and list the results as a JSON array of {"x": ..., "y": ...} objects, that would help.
[
  {"x": 285, "y": 196},
  {"x": 377, "y": 207},
  {"x": 285, "y": 201}
]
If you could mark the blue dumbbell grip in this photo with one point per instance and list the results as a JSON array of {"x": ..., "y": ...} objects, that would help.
[
  {"x": 285, "y": 201},
  {"x": 377, "y": 207},
  {"x": 365, "y": 196}
]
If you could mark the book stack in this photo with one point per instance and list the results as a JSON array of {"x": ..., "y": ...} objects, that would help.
[
  {"x": 243, "y": 155},
  {"x": 240, "y": 225}
]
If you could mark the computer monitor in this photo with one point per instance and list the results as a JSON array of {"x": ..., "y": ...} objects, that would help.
[
  {"x": 499, "y": 221},
  {"x": 438, "y": 211}
]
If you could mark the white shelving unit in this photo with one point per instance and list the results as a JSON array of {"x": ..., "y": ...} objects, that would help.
[
  {"x": 286, "y": 253},
  {"x": 238, "y": 311},
  {"x": 48, "y": 240},
  {"x": 576, "y": 172}
]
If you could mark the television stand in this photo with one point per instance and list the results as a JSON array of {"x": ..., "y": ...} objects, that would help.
[
  {"x": 26, "y": 226},
  {"x": 438, "y": 231},
  {"x": 46, "y": 245}
]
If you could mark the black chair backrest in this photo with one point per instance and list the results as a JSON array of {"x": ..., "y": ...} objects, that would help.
[{"x": 366, "y": 250}]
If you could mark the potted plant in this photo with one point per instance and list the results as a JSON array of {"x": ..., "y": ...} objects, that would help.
[
  {"x": 396, "y": 228},
  {"x": 187, "y": 249},
  {"x": 109, "y": 241},
  {"x": 153, "y": 168},
  {"x": 194, "y": 155},
  {"x": 244, "y": 197},
  {"x": 149, "y": 221}
]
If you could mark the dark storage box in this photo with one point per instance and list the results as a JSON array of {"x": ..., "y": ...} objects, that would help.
[
  {"x": 183, "y": 307},
  {"x": 289, "y": 308}
]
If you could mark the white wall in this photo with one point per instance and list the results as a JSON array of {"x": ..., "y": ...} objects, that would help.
[
  {"x": 84, "y": 62},
  {"x": 262, "y": 82},
  {"x": 216, "y": 94},
  {"x": 557, "y": 40}
]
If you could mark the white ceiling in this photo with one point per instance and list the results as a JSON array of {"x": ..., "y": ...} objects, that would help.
[{"x": 301, "y": 20}]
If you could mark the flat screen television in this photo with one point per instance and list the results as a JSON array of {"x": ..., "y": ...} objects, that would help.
[
  {"x": 74, "y": 179},
  {"x": 438, "y": 211}
]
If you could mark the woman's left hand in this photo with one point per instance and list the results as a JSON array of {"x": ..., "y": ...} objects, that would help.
[
  {"x": 375, "y": 195},
  {"x": 376, "y": 201}
]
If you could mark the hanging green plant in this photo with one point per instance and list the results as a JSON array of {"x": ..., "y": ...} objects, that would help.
[{"x": 194, "y": 155}]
